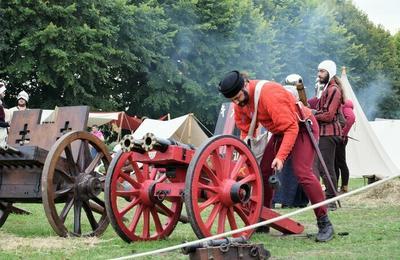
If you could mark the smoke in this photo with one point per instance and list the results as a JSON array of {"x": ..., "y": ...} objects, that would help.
[{"x": 371, "y": 96}]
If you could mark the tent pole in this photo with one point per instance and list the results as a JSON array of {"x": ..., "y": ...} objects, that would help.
[
  {"x": 120, "y": 128},
  {"x": 190, "y": 129}
]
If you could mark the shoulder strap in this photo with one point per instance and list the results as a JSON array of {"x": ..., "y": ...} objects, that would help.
[{"x": 257, "y": 92}]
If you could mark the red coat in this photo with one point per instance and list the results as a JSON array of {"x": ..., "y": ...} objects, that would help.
[
  {"x": 276, "y": 112},
  {"x": 349, "y": 115}
]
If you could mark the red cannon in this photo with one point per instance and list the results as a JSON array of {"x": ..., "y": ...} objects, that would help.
[{"x": 220, "y": 184}]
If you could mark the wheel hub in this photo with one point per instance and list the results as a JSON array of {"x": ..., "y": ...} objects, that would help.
[
  {"x": 88, "y": 186},
  {"x": 240, "y": 192},
  {"x": 235, "y": 192},
  {"x": 146, "y": 192}
]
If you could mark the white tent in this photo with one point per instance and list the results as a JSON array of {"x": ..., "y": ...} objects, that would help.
[
  {"x": 365, "y": 155},
  {"x": 387, "y": 131},
  {"x": 184, "y": 129}
]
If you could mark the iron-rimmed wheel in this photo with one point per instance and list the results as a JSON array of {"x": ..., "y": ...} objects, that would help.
[
  {"x": 223, "y": 188},
  {"x": 5, "y": 209},
  {"x": 133, "y": 211},
  {"x": 71, "y": 184}
]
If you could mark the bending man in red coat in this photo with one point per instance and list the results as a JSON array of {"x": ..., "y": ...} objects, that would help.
[{"x": 277, "y": 113}]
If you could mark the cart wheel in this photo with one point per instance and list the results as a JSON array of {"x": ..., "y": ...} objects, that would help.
[
  {"x": 72, "y": 181},
  {"x": 5, "y": 209},
  {"x": 223, "y": 188},
  {"x": 134, "y": 213}
]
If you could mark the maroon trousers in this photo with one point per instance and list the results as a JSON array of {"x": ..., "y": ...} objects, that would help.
[{"x": 302, "y": 156}]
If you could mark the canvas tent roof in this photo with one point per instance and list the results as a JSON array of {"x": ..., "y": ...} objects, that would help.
[
  {"x": 184, "y": 129},
  {"x": 121, "y": 119},
  {"x": 367, "y": 155}
]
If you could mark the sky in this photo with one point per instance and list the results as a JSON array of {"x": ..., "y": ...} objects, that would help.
[{"x": 384, "y": 12}]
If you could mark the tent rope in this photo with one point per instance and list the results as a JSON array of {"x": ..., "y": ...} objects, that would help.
[{"x": 198, "y": 121}]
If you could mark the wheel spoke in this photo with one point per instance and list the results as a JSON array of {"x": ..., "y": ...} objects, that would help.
[
  {"x": 129, "y": 179},
  {"x": 231, "y": 219},
  {"x": 84, "y": 155},
  {"x": 66, "y": 209},
  {"x": 99, "y": 201},
  {"x": 135, "y": 220},
  {"x": 89, "y": 214},
  {"x": 132, "y": 204},
  {"x": 165, "y": 209},
  {"x": 226, "y": 162},
  {"x": 146, "y": 223},
  {"x": 208, "y": 202},
  {"x": 247, "y": 179},
  {"x": 156, "y": 220},
  {"x": 70, "y": 159},
  {"x": 127, "y": 194},
  {"x": 212, "y": 216},
  {"x": 212, "y": 175},
  {"x": 221, "y": 220},
  {"x": 64, "y": 191},
  {"x": 216, "y": 163},
  {"x": 67, "y": 177},
  {"x": 97, "y": 208},
  {"x": 241, "y": 214},
  {"x": 94, "y": 163},
  {"x": 138, "y": 172},
  {"x": 153, "y": 173},
  {"x": 208, "y": 187},
  {"x": 238, "y": 167},
  {"x": 77, "y": 216}
]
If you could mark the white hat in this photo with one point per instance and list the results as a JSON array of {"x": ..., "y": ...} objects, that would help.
[
  {"x": 23, "y": 95},
  {"x": 329, "y": 66}
]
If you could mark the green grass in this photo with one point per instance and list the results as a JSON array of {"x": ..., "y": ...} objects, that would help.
[{"x": 374, "y": 233}]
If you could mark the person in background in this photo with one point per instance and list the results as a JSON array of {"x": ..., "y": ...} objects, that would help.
[
  {"x": 290, "y": 194},
  {"x": 326, "y": 111},
  {"x": 99, "y": 134},
  {"x": 22, "y": 102},
  {"x": 96, "y": 132},
  {"x": 3, "y": 124},
  {"x": 277, "y": 112},
  {"x": 340, "y": 156}
]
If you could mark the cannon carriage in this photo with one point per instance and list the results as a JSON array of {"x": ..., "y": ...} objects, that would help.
[
  {"x": 219, "y": 182},
  {"x": 49, "y": 161}
]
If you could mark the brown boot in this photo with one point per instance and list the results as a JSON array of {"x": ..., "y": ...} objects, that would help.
[{"x": 344, "y": 189}]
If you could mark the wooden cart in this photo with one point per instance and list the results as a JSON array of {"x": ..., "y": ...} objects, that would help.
[{"x": 55, "y": 161}]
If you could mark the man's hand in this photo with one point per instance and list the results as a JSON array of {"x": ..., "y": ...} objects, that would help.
[{"x": 277, "y": 163}]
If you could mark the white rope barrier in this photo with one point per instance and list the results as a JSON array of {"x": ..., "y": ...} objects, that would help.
[{"x": 172, "y": 248}]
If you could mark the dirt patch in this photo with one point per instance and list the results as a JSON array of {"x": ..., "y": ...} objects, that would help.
[
  {"x": 387, "y": 193},
  {"x": 11, "y": 242}
]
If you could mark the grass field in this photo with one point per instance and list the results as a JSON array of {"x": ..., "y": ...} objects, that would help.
[{"x": 372, "y": 220}]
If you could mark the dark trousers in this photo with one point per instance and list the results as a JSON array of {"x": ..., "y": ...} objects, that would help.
[
  {"x": 302, "y": 156},
  {"x": 341, "y": 164},
  {"x": 327, "y": 146}
]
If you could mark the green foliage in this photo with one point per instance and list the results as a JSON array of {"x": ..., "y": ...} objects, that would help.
[{"x": 155, "y": 57}]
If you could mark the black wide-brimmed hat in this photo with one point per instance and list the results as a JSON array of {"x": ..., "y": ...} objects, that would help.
[{"x": 232, "y": 83}]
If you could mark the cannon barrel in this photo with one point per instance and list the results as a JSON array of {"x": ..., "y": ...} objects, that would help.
[
  {"x": 9, "y": 150},
  {"x": 128, "y": 144},
  {"x": 215, "y": 242},
  {"x": 150, "y": 142}
]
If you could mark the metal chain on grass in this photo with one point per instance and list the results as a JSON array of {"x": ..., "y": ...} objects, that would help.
[{"x": 172, "y": 248}]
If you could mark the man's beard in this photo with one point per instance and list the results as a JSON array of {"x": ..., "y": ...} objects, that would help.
[
  {"x": 324, "y": 80},
  {"x": 245, "y": 100}
]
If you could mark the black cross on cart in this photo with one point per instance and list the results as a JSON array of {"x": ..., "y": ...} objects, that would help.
[{"x": 53, "y": 161}]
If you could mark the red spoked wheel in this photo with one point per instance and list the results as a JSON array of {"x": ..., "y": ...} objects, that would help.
[
  {"x": 133, "y": 211},
  {"x": 223, "y": 188}
]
